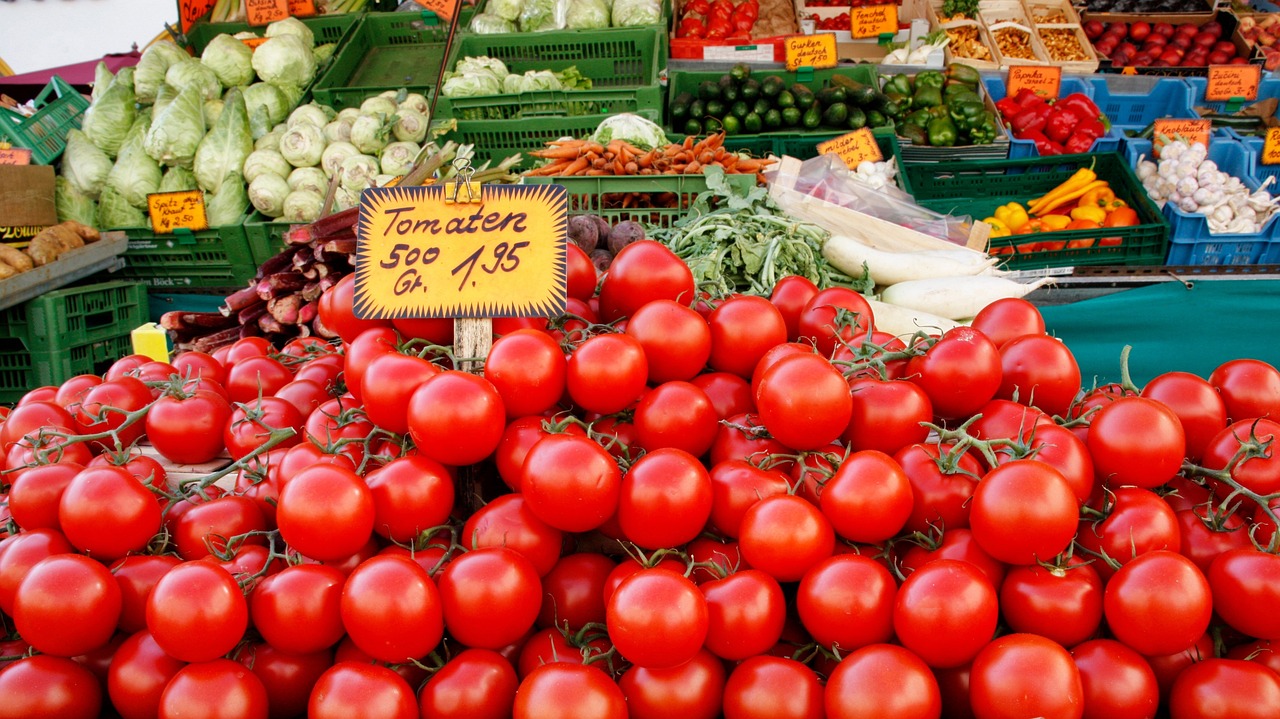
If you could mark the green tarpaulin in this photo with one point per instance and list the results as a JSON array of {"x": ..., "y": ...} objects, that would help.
[{"x": 1170, "y": 327}]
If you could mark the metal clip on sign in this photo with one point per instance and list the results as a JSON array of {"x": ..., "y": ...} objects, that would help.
[{"x": 464, "y": 190}]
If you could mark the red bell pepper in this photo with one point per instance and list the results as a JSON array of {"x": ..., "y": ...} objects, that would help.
[
  {"x": 1078, "y": 143},
  {"x": 1084, "y": 107},
  {"x": 1008, "y": 108},
  {"x": 697, "y": 7},
  {"x": 722, "y": 9},
  {"x": 1043, "y": 144},
  {"x": 1028, "y": 98},
  {"x": 1062, "y": 122},
  {"x": 1031, "y": 119}
]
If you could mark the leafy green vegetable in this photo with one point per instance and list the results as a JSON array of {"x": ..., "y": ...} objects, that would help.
[
  {"x": 213, "y": 111},
  {"x": 508, "y": 10},
  {"x": 115, "y": 211},
  {"x": 961, "y": 8},
  {"x": 135, "y": 174},
  {"x": 631, "y": 13},
  {"x": 151, "y": 68},
  {"x": 84, "y": 165},
  {"x": 291, "y": 26},
  {"x": 230, "y": 60},
  {"x": 287, "y": 60},
  {"x": 108, "y": 120},
  {"x": 178, "y": 179},
  {"x": 223, "y": 151},
  {"x": 587, "y": 15},
  {"x": 102, "y": 78},
  {"x": 267, "y": 105},
  {"x": 542, "y": 15},
  {"x": 71, "y": 204},
  {"x": 229, "y": 204},
  {"x": 175, "y": 135},
  {"x": 193, "y": 73},
  {"x": 639, "y": 131},
  {"x": 744, "y": 243},
  {"x": 484, "y": 23}
]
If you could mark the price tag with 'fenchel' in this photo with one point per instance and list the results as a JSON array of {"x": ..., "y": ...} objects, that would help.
[
  {"x": 420, "y": 255},
  {"x": 873, "y": 21}
]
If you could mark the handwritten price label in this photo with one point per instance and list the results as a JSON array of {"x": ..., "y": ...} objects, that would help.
[
  {"x": 302, "y": 8},
  {"x": 263, "y": 12},
  {"x": 444, "y": 9},
  {"x": 192, "y": 10},
  {"x": 171, "y": 210},
  {"x": 418, "y": 255},
  {"x": 15, "y": 156},
  {"x": 1231, "y": 81},
  {"x": 1044, "y": 81},
  {"x": 853, "y": 147},
  {"x": 253, "y": 42},
  {"x": 1193, "y": 131},
  {"x": 815, "y": 51},
  {"x": 873, "y": 20},
  {"x": 1271, "y": 147}
]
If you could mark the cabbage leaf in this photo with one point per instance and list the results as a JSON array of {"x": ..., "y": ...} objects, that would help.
[{"x": 223, "y": 151}]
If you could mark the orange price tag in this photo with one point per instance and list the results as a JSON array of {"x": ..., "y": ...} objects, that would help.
[
  {"x": 15, "y": 156},
  {"x": 816, "y": 51},
  {"x": 444, "y": 9},
  {"x": 1231, "y": 81},
  {"x": 192, "y": 10},
  {"x": 853, "y": 147},
  {"x": 171, "y": 210},
  {"x": 873, "y": 20},
  {"x": 253, "y": 42},
  {"x": 419, "y": 254},
  {"x": 1193, "y": 131},
  {"x": 262, "y": 12},
  {"x": 302, "y": 8},
  {"x": 1271, "y": 147},
  {"x": 1045, "y": 81}
]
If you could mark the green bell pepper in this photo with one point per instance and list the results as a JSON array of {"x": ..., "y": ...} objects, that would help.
[
  {"x": 963, "y": 73},
  {"x": 899, "y": 84},
  {"x": 895, "y": 105},
  {"x": 926, "y": 96},
  {"x": 942, "y": 132},
  {"x": 955, "y": 91},
  {"x": 914, "y": 133},
  {"x": 931, "y": 78},
  {"x": 985, "y": 129},
  {"x": 965, "y": 114},
  {"x": 919, "y": 118}
]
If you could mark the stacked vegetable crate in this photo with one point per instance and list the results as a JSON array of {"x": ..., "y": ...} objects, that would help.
[
  {"x": 1019, "y": 149},
  {"x": 598, "y": 195},
  {"x": 59, "y": 110},
  {"x": 386, "y": 51},
  {"x": 624, "y": 65},
  {"x": 1191, "y": 242},
  {"x": 216, "y": 259},
  {"x": 327, "y": 29},
  {"x": 977, "y": 188},
  {"x": 76, "y": 330}
]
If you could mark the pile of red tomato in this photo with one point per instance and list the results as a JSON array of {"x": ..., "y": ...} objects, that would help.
[{"x": 664, "y": 504}]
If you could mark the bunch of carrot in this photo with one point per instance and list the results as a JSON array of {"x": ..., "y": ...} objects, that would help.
[{"x": 585, "y": 157}]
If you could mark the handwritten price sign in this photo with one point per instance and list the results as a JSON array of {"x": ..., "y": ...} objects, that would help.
[
  {"x": 1044, "y": 81},
  {"x": 15, "y": 156},
  {"x": 853, "y": 147},
  {"x": 1227, "y": 82},
  {"x": 172, "y": 210},
  {"x": 444, "y": 9},
  {"x": 263, "y": 12},
  {"x": 193, "y": 10},
  {"x": 420, "y": 256},
  {"x": 302, "y": 8},
  {"x": 1193, "y": 131},
  {"x": 873, "y": 21},
  {"x": 1271, "y": 147},
  {"x": 815, "y": 51}
]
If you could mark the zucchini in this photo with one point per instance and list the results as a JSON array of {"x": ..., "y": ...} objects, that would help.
[{"x": 857, "y": 93}]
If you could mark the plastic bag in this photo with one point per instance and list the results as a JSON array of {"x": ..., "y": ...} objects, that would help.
[
  {"x": 542, "y": 15},
  {"x": 632, "y": 13},
  {"x": 827, "y": 178}
]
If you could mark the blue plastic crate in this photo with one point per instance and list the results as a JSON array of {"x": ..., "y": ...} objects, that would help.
[
  {"x": 1019, "y": 149},
  {"x": 1260, "y": 171},
  {"x": 1134, "y": 102},
  {"x": 1268, "y": 88},
  {"x": 1190, "y": 242}
]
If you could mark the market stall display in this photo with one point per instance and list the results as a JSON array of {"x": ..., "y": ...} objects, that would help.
[{"x": 801, "y": 383}]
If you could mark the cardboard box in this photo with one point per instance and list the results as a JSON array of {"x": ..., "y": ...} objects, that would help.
[{"x": 26, "y": 196}]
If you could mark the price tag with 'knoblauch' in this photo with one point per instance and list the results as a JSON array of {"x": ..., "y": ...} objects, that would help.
[
  {"x": 1193, "y": 131},
  {"x": 421, "y": 254}
]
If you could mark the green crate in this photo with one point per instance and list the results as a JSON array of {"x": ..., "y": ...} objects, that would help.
[
  {"x": 59, "y": 110},
  {"x": 495, "y": 140},
  {"x": 60, "y": 319},
  {"x": 977, "y": 188},
  {"x": 601, "y": 195},
  {"x": 189, "y": 261},
  {"x": 22, "y": 370},
  {"x": 159, "y": 303},
  {"x": 265, "y": 236},
  {"x": 468, "y": 9},
  {"x": 479, "y": 7},
  {"x": 624, "y": 65},
  {"x": 386, "y": 51},
  {"x": 327, "y": 29},
  {"x": 781, "y": 140}
]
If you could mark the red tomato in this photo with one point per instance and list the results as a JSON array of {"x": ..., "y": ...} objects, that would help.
[
  {"x": 607, "y": 373},
  {"x": 1258, "y": 470},
  {"x": 1250, "y": 388},
  {"x": 475, "y": 684},
  {"x": 251, "y": 424},
  {"x": 217, "y": 688},
  {"x": 581, "y": 276},
  {"x": 1197, "y": 404},
  {"x": 196, "y": 612},
  {"x": 361, "y": 351},
  {"x": 960, "y": 373},
  {"x": 199, "y": 365},
  {"x": 940, "y": 488},
  {"x": 255, "y": 376},
  {"x": 22, "y": 551},
  {"x": 326, "y": 512},
  {"x": 882, "y": 681},
  {"x": 105, "y": 408},
  {"x": 570, "y": 482},
  {"x": 490, "y": 597},
  {"x": 790, "y": 295},
  {"x": 804, "y": 401},
  {"x": 297, "y": 610},
  {"x": 693, "y": 690},
  {"x": 434, "y": 330},
  {"x": 664, "y": 499},
  {"x": 1061, "y": 603},
  {"x": 1225, "y": 687},
  {"x": 527, "y": 368},
  {"x": 736, "y": 484},
  {"x": 392, "y": 609},
  {"x": 768, "y": 687},
  {"x": 546, "y": 646},
  {"x": 1040, "y": 371},
  {"x": 1204, "y": 536},
  {"x": 742, "y": 437},
  {"x": 785, "y": 536},
  {"x": 729, "y": 393},
  {"x": 1136, "y": 441},
  {"x": 887, "y": 415},
  {"x": 350, "y": 689},
  {"x": 1008, "y": 318},
  {"x": 945, "y": 612},
  {"x": 337, "y": 313},
  {"x": 137, "y": 575},
  {"x": 1158, "y": 603},
  {"x": 138, "y": 674},
  {"x": 410, "y": 495},
  {"x": 47, "y": 686},
  {"x": 388, "y": 383},
  {"x": 288, "y": 678},
  {"x": 835, "y": 313},
  {"x": 207, "y": 526},
  {"x": 569, "y": 691},
  {"x": 847, "y": 601},
  {"x": 657, "y": 639},
  {"x": 1246, "y": 591},
  {"x": 675, "y": 338},
  {"x": 188, "y": 430},
  {"x": 517, "y": 439},
  {"x": 108, "y": 513},
  {"x": 746, "y": 611},
  {"x": 324, "y": 369},
  {"x": 676, "y": 415},
  {"x": 956, "y": 544},
  {"x": 125, "y": 366},
  {"x": 67, "y": 605},
  {"x": 1023, "y": 512},
  {"x": 26, "y": 419},
  {"x": 743, "y": 328},
  {"x": 1117, "y": 681},
  {"x": 1135, "y": 521},
  {"x": 642, "y": 272},
  {"x": 305, "y": 394},
  {"x": 36, "y": 492},
  {"x": 71, "y": 392},
  {"x": 508, "y": 522},
  {"x": 1024, "y": 675},
  {"x": 573, "y": 591},
  {"x": 868, "y": 499}
]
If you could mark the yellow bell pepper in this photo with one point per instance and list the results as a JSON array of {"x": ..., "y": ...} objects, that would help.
[
  {"x": 1103, "y": 197},
  {"x": 1013, "y": 215},
  {"x": 1055, "y": 222},
  {"x": 998, "y": 227},
  {"x": 1089, "y": 212}
]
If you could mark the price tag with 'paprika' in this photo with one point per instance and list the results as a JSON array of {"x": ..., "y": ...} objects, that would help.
[
  {"x": 853, "y": 148},
  {"x": 1044, "y": 81}
]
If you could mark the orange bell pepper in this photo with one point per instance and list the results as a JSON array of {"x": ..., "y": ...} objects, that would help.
[
  {"x": 1082, "y": 224},
  {"x": 1121, "y": 217}
]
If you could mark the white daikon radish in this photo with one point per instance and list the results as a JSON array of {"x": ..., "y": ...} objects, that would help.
[
  {"x": 848, "y": 255},
  {"x": 956, "y": 297},
  {"x": 904, "y": 322}
]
